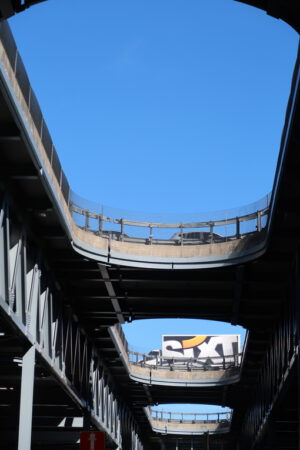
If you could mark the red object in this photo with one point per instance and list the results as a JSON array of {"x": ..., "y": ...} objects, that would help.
[{"x": 92, "y": 440}]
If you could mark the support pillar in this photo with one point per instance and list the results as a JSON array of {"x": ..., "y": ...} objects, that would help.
[
  {"x": 26, "y": 400},
  {"x": 207, "y": 441},
  {"x": 297, "y": 311}
]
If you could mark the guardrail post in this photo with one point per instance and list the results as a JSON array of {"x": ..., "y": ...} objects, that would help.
[
  {"x": 86, "y": 225},
  {"x": 224, "y": 362},
  {"x": 237, "y": 220},
  {"x": 258, "y": 221},
  {"x": 181, "y": 234},
  {"x": 211, "y": 229},
  {"x": 122, "y": 228},
  {"x": 150, "y": 233},
  {"x": 100, "y": 227}
]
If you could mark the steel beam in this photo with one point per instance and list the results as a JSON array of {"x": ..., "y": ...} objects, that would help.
[{"x": 111, "y": 293}]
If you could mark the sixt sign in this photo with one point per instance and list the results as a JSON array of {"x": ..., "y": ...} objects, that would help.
[
  {"x": 206, "y": 348},
  {"x": 92, "y": 440}
]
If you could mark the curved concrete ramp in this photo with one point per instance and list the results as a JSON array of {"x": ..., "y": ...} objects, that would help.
[
  {"x": 188, "y": 424},
  {"x": 206, "y": 377}
]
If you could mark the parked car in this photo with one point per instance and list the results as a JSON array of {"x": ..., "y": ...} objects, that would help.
[{"x": 203, "y": 237}]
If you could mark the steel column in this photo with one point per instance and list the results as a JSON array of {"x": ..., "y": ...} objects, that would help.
[{"x": 26, "y": 403}]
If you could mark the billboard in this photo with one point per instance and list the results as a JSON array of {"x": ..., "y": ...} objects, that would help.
[{"x": 208, "y": 349}]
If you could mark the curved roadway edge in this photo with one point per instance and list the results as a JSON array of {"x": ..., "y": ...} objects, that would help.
[
  {"x": 124, "y": 253},
  {"x": 210, "y": 256},
  {"x": 150, "y": 376},
  {"x": 164, "y": 427}
]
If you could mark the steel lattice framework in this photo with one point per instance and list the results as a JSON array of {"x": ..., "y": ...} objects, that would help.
[{"x": 30, "y": 299}]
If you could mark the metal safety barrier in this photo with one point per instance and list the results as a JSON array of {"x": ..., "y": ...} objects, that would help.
[
  {"x": 181, "y": 363},
  {"x": 184, "y": 417},
  {"x": 203, "y": 232}
]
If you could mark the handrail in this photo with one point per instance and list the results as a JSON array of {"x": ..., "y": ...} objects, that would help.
[
  {"x": 185, "y": 417},
  {"x": 183, "y": 363},
  {"x": 233, "y": 220},
  {"x": 211, "y": 225}
]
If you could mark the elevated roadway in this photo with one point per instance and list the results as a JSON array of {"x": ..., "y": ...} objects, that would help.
[{"x": 243, "y": 281}]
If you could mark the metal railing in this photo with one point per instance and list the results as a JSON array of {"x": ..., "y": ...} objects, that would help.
[
  {"x": 200, "y": 418},
  {"x": 186, "y": 364},
  {"x": 184, "y": 233}
]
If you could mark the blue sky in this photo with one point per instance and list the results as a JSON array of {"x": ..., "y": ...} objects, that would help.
[{"x": 163, "y": 106}]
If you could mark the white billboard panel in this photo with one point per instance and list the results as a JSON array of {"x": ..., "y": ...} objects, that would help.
[{"x": 206, "y": 348}]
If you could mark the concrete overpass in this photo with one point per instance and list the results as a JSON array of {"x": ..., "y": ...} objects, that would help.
[{"x": 63, "y": 286}]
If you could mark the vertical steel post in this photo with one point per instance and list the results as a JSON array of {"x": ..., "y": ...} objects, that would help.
[
  {"x": 238, "y": 235},
  {"x": 259, "y": 221},
  {"x": 176, "y": 444},
  {"x": 297, "y": 311},
  {"x": 211, "y": 230},
  {"x": 86, "y": 224},
  {"x": 100, "y": 226},
  {"x": 26, "y": 401},
  {"x": 150, "y": 233}
]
